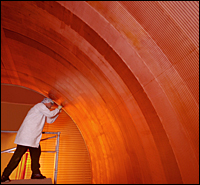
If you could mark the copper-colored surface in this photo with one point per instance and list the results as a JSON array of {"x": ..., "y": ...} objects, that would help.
[{"x": 127, "y": 72}]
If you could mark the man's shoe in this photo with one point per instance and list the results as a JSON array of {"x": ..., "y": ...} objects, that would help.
[
  {"x": 37, "y": 176},
  {"x": 5, "y": 178}
]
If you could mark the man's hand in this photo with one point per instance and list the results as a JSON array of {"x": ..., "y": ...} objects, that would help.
[{"x": 59, "y": 107}]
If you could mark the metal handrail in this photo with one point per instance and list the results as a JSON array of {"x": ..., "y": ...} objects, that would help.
[{"x": 56, "y": 150}]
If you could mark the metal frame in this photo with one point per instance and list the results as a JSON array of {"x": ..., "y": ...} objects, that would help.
[{"x": 11, "y": 150}]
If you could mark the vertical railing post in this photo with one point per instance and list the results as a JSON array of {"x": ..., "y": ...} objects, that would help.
[{"x": 56, "y": 160}]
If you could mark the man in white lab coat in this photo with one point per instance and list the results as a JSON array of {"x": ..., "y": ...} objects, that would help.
[{"x": 29, "y": 135}]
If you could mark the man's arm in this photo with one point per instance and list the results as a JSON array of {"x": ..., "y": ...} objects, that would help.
[
  {"x": 44, "y": 110},
  {"x": 51, "y": 120}
]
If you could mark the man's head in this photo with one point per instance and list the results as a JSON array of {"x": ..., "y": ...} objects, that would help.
[{"x": 48, "y": 102}]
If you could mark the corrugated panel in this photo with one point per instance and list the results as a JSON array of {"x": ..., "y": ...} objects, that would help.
[
  {"x": 74, "y": 162},
  {"x": 174, "y": 27},
  {"x": 186, "y": 15}
]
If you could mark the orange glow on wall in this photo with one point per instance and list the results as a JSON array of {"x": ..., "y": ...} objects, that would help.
[{"x": 21, "y": 169}]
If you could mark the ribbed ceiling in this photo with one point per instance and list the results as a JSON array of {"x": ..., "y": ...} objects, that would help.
[{"x": 127, "y": 73}]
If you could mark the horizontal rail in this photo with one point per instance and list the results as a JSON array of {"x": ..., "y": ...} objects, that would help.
[
  {"x": 5, "y": 131},
  {"x": 47, "y": 138},
  {"x": 9, "y": 150}
]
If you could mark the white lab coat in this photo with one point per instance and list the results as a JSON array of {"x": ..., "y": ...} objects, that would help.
[{"x": 30, "y": 132}]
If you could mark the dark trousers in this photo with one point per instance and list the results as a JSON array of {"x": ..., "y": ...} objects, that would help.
[{"x": 16, "y": 158}]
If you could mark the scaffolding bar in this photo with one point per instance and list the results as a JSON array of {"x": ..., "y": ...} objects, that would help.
[
  {"x": 56, "y": 163},
  {"x": 56, "y": 149}
]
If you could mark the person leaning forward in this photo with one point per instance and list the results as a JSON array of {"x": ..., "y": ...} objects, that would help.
[{"x": 29, "y": 135}]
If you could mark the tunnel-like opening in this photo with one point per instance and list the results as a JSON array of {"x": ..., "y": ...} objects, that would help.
[{"x": 74, "y": 161}]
